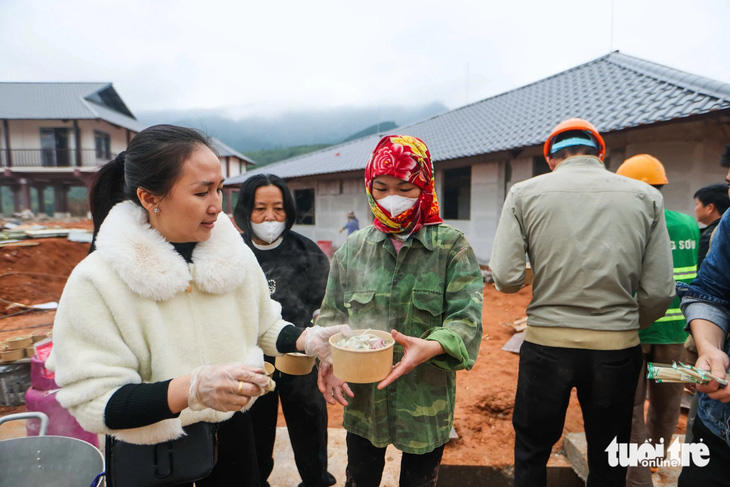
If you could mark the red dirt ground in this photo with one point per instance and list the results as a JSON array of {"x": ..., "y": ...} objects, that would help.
[{"x": 485, "y": 395}]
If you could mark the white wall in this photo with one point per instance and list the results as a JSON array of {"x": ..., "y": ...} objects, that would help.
[
  {"x": 333, "y": 199},
  {"x": 117, "y": 136},
  {"x": 690, "y": 153},
  {"x": 487, "y": 194},
  {"x": 236, "y": 166},
  {"x": 26, "y": 134}
]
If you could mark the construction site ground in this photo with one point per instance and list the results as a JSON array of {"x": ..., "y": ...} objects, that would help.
[{"x": 483, "y": 450}]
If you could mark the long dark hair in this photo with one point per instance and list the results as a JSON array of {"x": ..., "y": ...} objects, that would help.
[
  {"x": 153, "y": 161},
  {"x": 246, "y": 197}
]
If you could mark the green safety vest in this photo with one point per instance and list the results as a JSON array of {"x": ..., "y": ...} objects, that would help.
[{"x": 685, "y": 236}]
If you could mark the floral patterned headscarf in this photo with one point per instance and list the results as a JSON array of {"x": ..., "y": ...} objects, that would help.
[{"x": 406, "y": 158}]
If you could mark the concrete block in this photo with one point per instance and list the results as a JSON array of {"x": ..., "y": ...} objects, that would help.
[{"x": 576, "y": 448}]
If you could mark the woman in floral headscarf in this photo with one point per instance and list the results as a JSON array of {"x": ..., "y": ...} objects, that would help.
[{"x": 414, "y": 276}]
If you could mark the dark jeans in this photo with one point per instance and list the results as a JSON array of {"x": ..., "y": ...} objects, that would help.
[
  {"x": 605, "y": 380},
  {"x": 717, "y": 472},
  {"x": 305, "y": 412},
  {"x": 365, "y": 463},
  {"x": 236, "y": 463}
]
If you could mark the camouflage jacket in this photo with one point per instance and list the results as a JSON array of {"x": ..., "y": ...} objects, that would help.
[{"x": 431, "y": 289}]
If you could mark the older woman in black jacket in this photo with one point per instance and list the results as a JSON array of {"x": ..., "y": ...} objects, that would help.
[{"x": 296, "y": 270}]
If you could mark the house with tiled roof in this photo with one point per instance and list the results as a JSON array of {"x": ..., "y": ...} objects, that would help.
[
  {"x": 482, "y": 149},
  {"x": 58, "y": 134}
]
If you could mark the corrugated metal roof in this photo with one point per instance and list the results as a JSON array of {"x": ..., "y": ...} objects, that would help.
[
  {"x": 224, "y": 150},
  {"x": 614, "y": 92},
  {"x": 48, "y": 101}
]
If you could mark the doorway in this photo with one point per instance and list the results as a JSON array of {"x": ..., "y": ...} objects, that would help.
[{"x": 54, "y": 147}]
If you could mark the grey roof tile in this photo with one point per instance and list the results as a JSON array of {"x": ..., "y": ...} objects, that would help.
[
  {"x": 48, "y": 101},
  {"x": 614, "y": 92}
]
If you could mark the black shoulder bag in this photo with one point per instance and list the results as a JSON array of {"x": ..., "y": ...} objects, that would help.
[{"x": 180, "y": 461}]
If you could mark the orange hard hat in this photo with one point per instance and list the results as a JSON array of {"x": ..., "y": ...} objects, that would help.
[
  {"x": 575, "y": 124},
  {"x": 644, "y": 168}
]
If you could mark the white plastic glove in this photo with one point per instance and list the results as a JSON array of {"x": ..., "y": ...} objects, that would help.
[
  {"x": 316, "y": 340},
  {"x": 226, "y": 387},
  {"x": 255, "y": 358}
]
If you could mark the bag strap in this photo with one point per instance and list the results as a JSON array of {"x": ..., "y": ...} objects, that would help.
[{"x": 163, "y": 461}]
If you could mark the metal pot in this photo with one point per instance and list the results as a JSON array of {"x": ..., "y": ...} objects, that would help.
[{"x": 48, "y": 460}]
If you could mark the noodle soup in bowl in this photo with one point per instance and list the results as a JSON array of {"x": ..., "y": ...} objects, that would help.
[{"x": 363, "y": 358}]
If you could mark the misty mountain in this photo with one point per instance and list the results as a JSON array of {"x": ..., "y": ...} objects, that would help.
[
  {"x": 292, "y": 129},
  {"x": 373, "y": 129},
  {"x": 263, "y": 157}
]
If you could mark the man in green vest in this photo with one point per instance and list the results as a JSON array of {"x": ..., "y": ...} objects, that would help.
[{"x": 663, "y": 341}]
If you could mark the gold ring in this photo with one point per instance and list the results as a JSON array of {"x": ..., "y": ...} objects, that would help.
[{"x": 240, "y": 387}]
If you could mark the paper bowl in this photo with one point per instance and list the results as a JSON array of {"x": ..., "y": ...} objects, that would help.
[
  {"x": 294, "y": 363},
  {"x": 362, "y": 366},
  {"x": 37, "y": 336},
  {"x": 19, "y": 342},
  {"x": 269, "y": 373},
  {"x": 10, "y": 355}
]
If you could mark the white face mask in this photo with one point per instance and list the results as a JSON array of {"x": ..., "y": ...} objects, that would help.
[
  {"x": 268, "y": 231},
  {"x": 396, "y": 204}
]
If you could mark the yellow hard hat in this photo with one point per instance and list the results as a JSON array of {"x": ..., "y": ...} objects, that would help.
[{"x": 643, "y": 167}]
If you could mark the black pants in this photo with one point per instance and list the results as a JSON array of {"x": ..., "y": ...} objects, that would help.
[
  {"x": 717, "y": 472},
  {"x": 606, "y": 382},
  {"x": 236, "y": 463},
  {"x": 365, "y": 463},
  {"x": 305, "y": 412}
]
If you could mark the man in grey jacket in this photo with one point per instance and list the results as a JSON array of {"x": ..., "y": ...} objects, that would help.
[{"x": 600, "y": 253}]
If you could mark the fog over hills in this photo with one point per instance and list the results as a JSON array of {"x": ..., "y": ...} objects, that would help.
[{"x": 292, "y": 129}]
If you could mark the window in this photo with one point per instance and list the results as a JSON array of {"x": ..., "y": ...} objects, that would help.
[
  {"x": 102, "y": 142},
  {"x": 304, "y": 199},
  {"x": 539, "y": 166},
  {"x": 55, "y": 147},
  {"x": 457, "y": 194}
]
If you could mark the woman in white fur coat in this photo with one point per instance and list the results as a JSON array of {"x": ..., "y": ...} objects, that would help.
[{"x": 160, "y": 326}]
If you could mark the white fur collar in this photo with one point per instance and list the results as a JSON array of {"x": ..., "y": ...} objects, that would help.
[{"x": 152, "y": 268}]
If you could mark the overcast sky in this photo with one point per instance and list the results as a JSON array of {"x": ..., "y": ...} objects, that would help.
[{"x": 264, "y": 58}]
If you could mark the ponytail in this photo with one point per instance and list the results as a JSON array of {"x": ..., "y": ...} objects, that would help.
[{"x": 107, "y": 189}]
